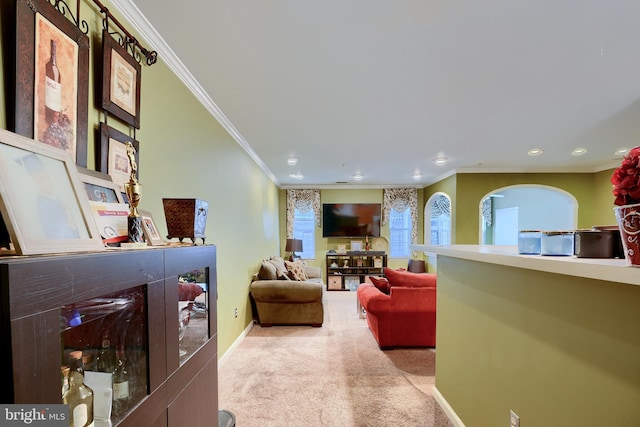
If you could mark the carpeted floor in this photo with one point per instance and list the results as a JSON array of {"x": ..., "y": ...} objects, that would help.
[{"x": 330, "y": 376}]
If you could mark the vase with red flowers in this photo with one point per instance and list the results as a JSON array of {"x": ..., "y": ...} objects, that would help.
[{"x": 626, "y": 189}]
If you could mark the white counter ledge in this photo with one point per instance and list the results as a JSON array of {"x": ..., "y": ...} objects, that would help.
[{"x": 612, "y": 270}]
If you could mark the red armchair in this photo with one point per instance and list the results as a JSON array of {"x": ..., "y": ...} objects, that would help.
[{"x": 406, "y": 316}]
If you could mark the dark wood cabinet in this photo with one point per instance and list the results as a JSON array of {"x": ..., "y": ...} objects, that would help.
[{"x": 36, "y": 291}]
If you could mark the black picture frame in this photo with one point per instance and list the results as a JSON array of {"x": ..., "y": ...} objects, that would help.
[
  {"x": 35, "y": 19},
  {"x": 120, "y": 82},
  {"x": 109, "y": 152}
]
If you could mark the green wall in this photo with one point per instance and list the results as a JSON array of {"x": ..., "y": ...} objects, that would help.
[
  {"x": 603, "y": 212},
  {"x": 467, "y": 190},
  {"x": 558, "y": 350},
  {"x": 185, "y": 152}
]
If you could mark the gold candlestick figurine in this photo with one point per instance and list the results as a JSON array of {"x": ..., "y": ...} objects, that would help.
[{"x": 134, "y": 191}]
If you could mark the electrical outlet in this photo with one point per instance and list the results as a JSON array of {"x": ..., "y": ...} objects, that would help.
[
  {"x": 515, "y": 420},
  {"x": 235, "y": 312}
]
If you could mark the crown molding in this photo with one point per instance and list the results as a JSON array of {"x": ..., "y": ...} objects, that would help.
[{"x": 143, "y": 27}]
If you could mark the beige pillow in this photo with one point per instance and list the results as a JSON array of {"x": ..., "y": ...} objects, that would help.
[
  {"x": 278, "y": 263},
  {"x": 267, "y": 271}
]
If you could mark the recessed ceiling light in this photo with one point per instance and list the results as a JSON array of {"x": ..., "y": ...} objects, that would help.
[
  {"x": 292, "y": 161},
  {"x": 440, "y": 161},
  {"x": 296, "y": 175},
  {"x": 579, "y": 151},
  {"x": 358, "y": 177},
  {"x": 622, "y": 151},
  {"x": 534, "y": 152},
  {"x": 417, "y": 176}
]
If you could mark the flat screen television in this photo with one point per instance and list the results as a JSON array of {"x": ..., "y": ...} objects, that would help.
[{"x": 351, "y": 219}]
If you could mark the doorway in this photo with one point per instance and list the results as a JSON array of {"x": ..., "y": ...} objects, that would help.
[{"x": 505, "y": 211}]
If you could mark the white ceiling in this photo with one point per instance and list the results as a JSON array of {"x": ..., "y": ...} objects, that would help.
[{"x": 384, "y": 87}]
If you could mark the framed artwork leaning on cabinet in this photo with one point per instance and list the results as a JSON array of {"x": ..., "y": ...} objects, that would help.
[{"x": 42, "y": 200}]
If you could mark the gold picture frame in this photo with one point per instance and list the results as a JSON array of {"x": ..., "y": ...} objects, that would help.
[{"x": 42, "y": 200}]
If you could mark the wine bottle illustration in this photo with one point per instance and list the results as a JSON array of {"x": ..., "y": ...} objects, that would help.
[{"x": 52, "y": 87}]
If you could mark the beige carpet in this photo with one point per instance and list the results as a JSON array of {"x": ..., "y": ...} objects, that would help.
[{"x": 330, "y": 376}]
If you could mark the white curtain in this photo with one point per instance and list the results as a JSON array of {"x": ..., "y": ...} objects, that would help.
[
  {"x": 304, "y": 201},
  {"x": 401, "y": 199}
]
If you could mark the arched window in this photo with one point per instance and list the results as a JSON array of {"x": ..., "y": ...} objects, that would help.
[{"x": 437, "y": 220}]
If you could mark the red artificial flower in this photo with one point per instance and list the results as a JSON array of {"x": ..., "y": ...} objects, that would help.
[{"x": 626, "y": 179}]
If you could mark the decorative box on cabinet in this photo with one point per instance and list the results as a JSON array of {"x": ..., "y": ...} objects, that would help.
[{"x": 38, "y": 293}]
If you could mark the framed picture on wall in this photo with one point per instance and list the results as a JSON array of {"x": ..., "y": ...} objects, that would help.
[
  {"x": 42, "y": 199},
  {"x": 112, "y": 157},
  {"x": 52, "y": 78},
  {"x": 120, "y": 82}
]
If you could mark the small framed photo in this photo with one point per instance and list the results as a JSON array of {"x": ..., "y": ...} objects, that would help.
[
  {"x": 120, "y": 82},
  {"x": 342, "y": 249},
  {"x": 356, "y": 245},
  {"x": 52, "y": 78},
  {"x": 112, "y": 157},
  {"x": 150, "y": 230},
  {"x": 99, "y": 187},
  {"x": 42, "y": 199}
]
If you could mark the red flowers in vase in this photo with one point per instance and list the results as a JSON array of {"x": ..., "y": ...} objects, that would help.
[{"x": 626, "y": 179}]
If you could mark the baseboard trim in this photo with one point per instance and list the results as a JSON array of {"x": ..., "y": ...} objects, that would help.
[
  {"x": 235, "y": 344},
  {"x": 448, "y": 410}
]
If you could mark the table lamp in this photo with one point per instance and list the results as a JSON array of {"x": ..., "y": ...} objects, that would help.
[{"x": 293, "y": 246}]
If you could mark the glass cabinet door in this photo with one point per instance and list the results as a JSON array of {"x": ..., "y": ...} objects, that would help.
[
  {"x": 109, "y": 334},
  {"x": 193, "y": 311}
]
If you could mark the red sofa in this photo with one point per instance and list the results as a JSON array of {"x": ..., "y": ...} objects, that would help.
[{"x": 401, "y": 308}]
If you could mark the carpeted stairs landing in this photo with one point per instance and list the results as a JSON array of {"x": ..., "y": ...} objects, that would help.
[{"x": 330, "y": 376}]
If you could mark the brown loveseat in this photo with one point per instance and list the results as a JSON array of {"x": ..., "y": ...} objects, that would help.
[{"x": 286, "y": 293}]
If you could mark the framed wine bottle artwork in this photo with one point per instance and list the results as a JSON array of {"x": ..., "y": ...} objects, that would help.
[
  {"x": 52, "y": 77},
  {"x": 120, "y": 81}
]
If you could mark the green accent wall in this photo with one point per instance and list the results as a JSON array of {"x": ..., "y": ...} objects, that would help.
[
  {"x": 468, "y": 189},
  {"x": 603, "y": 192},
  {"x": 558, "y": 350}
]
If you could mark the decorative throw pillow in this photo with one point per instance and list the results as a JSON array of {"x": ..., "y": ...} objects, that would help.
[
  {"x": 278, "y": 263},
  {"x": 409, "y": 279},
  {"x": 296, "y": 270},
  {"x": 267, "y": 271},
  {"x": 381, "y": 283},
  {"x": 300, "y": 267}
]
